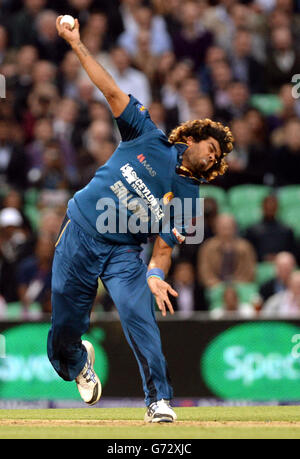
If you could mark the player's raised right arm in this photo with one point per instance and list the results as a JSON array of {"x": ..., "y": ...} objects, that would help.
[{"x": 116, "y": 98}]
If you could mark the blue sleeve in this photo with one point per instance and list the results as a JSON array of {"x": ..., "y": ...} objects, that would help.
[{"x": 134, "y": 121}]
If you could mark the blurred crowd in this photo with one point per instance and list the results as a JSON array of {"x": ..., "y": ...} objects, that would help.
[{"x": 230, "y": 60}]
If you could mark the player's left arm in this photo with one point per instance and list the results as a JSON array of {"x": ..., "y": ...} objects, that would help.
[{"x": 159, "y": 267}]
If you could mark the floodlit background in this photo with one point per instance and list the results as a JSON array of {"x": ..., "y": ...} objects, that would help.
[{"x": 235, "y": 336}]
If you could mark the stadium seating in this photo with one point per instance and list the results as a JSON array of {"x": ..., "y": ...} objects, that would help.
[
  {"x": 246, "y": 292},
  {"x": 291, "y": 217},
  {"x": 289, "y": 196},
  {"x": 245, "y": 203},
  {"x": 211, "y": 191},
  {"x": 289, "y": 207},
  {"x": 15, "y": 309},
  {"x": 264, "y": 271}
]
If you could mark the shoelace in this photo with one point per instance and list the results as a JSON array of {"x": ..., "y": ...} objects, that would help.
[{"x": 89, "y": 375}]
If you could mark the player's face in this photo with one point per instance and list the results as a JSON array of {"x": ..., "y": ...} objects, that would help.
[{"x": 202, "y": 155}]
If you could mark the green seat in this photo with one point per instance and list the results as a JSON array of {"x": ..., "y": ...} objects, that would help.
[
  {"x": 211, "y": 191},
  {"x": 245, "y": 203},
  {"x": 245, "y": 195},
  {"x": 214, "y": 296},
  {"x": 246, "y": 292},
  {"x": 31, "y": 196},
  {"x": 264, "y": 271},
  {"x": 268, "y": 104},
  {"x": 247, "y": 216},
  {"x": 290, "y": 216},
  {"x": 288, "y": 196},
  {"x": 33, "y": 214},
  {"x": 14, "y": 310}
]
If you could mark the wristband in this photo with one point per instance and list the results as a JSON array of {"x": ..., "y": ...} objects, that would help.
[{"x": 155, "y": 272}]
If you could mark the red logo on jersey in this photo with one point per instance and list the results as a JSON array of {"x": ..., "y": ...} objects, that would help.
[{"x": 141, "y": 158}]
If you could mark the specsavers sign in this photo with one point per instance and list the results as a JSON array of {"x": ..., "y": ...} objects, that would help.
[
  {"x": 25, "y": 371},
  {"x": 254, "y": 361}
]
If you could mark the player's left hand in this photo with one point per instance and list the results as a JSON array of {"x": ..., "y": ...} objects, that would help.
[{"x": 161, "y": 290}]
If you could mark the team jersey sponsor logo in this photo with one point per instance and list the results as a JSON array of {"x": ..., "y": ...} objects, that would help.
[
  {"x": 142, "y": 190},
  {"x": 141, "y": 108},
  {"x": 129, "y": 201},
  {"x": 142, "y": 160},
  {"x": 168, "y": 197}
]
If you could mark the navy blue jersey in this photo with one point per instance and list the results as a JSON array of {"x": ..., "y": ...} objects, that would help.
[{"x": 130, "y": 197}]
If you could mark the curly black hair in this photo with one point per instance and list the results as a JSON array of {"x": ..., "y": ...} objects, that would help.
[{"x": 202, "y": 130}]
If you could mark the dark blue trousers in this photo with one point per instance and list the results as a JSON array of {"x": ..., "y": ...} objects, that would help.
[{"x": 78, "y": 262}]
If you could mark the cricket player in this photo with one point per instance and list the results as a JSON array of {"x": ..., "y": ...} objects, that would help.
[{"x": 146, "y": 169}]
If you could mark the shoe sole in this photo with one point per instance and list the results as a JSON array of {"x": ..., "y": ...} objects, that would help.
[
  {"x": 157, "y": 419},
  {"x": 98, "y": 387}
]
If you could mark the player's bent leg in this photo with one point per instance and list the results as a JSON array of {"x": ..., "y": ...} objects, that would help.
[
  {"x": 125, "y": 278},
  {"x": 74, "y": 286}
]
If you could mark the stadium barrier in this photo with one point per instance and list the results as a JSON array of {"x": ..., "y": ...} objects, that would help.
[{"x": 254, "y": 360}]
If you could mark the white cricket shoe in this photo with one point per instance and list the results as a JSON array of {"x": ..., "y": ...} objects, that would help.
[
  {"x": 87, "y": 381},
  {"x": 160, "y": 411}
]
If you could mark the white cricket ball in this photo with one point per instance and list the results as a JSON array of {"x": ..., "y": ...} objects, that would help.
[{"x": 67, "y": 19}]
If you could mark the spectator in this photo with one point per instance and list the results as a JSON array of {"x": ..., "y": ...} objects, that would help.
[
  {"x": 232, "y": 307},
  {"x": 26, "y": 58},
  {"x": 286, "y": 159},
  {"x": 47, "y": 41},
  {"x": 50, "y": 223},
  {"x": 127, "y": 10},
  {"x": 143, "y": 58},
  {"x": 189, "y": 91},
  {"x": 146, "y": 21},
  {"x": 270, "y": 236},
  {"x": 285, "y": 303},
  {"x": 191, "y": 296},
  {"x": 22, "y": 30},
  {"x": 245, "y": 67},
  {"x": 221, "y": 78},
  {"x": 249, "y": 162},
  {"x": 65, "y": 118},
  {"x": 80, "y": 9},
  {"x": 13, "y": 164},
  {"x": 238, "y": 102},
  {"x": 130, "y": 80},
  {"x": 3, "y": 43},
  {"x": 202, "y": 108},
  {"x": 53, "y": 173},
  {"x": 226, "y": 257},
  {"x": 285, "y": 264},
  {"x": 13, "y": 248},
  {"x": 170, "y": 90},
  {"x": 158, "y": 115},
  {"x": 13, "y": 198},
  {"x": 283, "y": 61},
  {"x": 289, "y": 109},
  {"x": 215, "y": 55},
  {"x": 42, "y": 103},
  {"x": 68, "y": 75},
  {"x": 258, "y": 127},
  {"x": 193, "y": 39},
  {"x": 189, "y": 252},
  {"x": 34, "y": 277}
]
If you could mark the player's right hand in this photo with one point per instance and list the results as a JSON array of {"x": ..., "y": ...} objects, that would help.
[
  {"x": 65, "y": 32},
  {"x": 161, "y": 290}
]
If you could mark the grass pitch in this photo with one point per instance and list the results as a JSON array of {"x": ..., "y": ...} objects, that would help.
[{"x": 262, "y": 422}]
